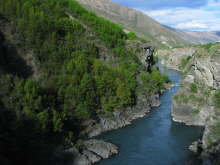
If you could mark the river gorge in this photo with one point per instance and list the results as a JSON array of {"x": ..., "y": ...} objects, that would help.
[{"x": 155, "y": 139}]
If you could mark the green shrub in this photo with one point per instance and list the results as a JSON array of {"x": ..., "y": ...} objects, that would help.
[
  {"x": 132, "y": 36},
  {"x": 193, "y": 88},
  {"x": 153, "y": 82},
  {"x": 184, "y": 62},
  {"x": 195, "y": 111},
  {"x": 215, "y": 131}
]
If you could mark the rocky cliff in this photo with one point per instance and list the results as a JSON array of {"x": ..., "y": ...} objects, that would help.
[
  {"x": 121, "y": 118},
  {"x": 193, "y": 104},
  {"x": 173, "y": 58}
]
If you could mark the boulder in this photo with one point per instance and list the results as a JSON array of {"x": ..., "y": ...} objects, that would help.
[
  {"x": 196, "y": 146},
  {"x": 189, "y": 79},
  {"x": 101, "y": 148}
]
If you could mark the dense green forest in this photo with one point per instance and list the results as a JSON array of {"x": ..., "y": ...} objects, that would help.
[{"x": 73, "y": 84}]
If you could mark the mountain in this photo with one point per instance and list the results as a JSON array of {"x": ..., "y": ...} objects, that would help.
[
  {"x": 146, "y": 27},
  {"x": 199, "y": 37},
  {"x": 133, "y": 20}
]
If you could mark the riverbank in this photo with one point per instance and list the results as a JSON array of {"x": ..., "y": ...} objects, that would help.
[
  {"x": 92, "y": 150},
  {"x": 155, "y": 134}
]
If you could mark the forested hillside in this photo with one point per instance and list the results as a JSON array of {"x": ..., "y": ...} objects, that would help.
[{"x": 80, "y": 68}]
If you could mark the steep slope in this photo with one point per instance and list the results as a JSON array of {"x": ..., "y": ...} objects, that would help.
[
  {"x": 134, "y": 20},
  {"x": 63, "y": 69},
  {"x": 146, "y": 27}
]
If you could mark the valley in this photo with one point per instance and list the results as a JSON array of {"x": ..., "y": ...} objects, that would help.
[{"x": 91, "y": 81}]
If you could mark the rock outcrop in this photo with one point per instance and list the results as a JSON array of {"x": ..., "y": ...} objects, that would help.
[
  {"x": 100, "y": 148},
  {"x": 190, "y": 115},
  {"x": 206, "y": 70},
  {"x": 91, "y": 151},
  {"x": 144, "y": 52},
  {"x": 172, "y": 58},
  {"x": 196, "y": 107}
]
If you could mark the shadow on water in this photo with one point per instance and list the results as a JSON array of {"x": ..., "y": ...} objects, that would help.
[{"x": 155, "y": 139}]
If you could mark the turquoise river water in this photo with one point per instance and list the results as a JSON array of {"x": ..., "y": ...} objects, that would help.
[{"x": 155, "y": 139}]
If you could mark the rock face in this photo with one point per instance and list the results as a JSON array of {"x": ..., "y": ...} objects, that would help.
[
  {"x": 172, "y": 58},
  {"x": 204, "y": 74},
  {"x": 206, "y": 70},
  {"x": 211, "y": 154},
  {"x": 185, "y": 114},
  {"x": 201, "y": 69},
  {"x": 196, "y": 146},
  {"x": 202, "y": 66},
  {"x": 101, "y": 148},
  {"x": 144, "y": 52},
  {"x": 149, "y": 56}
]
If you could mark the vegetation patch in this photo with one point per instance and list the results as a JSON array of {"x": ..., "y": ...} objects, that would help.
[
  {"x": 217, "y": 99},
  {"x": 184, "y": 62},
  {"x": 153, "y": 82},
  {"x": 181, "y": 98},
  {"x": 193, "y": 88},
  {"x": 195, "y": 111},
  {"x": 132, "y": 36},
  {"x": 215, "y": 133}
]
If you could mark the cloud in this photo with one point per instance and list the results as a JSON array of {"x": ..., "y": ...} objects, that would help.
[
  {"x": 182, "y": 14},
  {"x": 203, "y": 18},
  {"x": 191, "y": 25}
]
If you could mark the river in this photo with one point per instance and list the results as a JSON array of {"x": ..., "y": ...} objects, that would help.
[{"x": 155, "y": 139}]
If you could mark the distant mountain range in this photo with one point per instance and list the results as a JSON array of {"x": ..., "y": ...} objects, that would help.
[
  {"x": 199, "y": 37},
  {"x": 146, "y": 27}
]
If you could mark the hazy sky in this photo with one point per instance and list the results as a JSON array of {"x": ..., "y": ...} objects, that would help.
[{"x": 201, "y": 15}]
